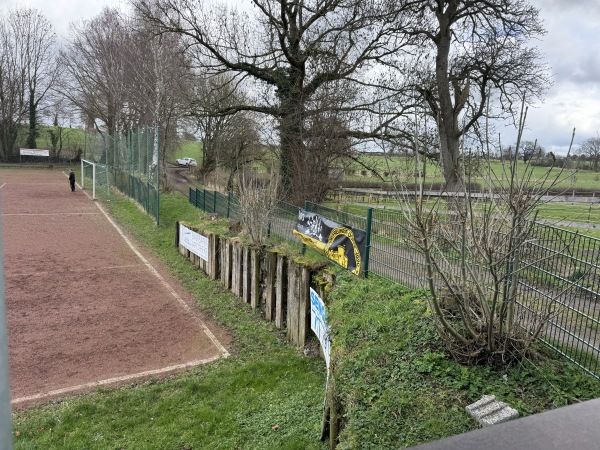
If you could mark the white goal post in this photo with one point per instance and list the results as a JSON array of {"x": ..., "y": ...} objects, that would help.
[{"x": 84, "y": 163}]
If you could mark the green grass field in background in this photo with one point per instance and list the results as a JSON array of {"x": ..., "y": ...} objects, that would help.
[
  {"x": 73, "y": 139},
  {"x": 188, "y": 149},
  {"x": 404, "y": 167}
]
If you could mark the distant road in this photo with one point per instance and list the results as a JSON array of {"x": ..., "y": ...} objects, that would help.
[{"x": 571, "y": 198}]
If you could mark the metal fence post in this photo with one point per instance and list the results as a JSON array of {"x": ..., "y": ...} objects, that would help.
[
  {"x": 204, "y": 200},
  {"x": 368, "y": 242},
  {"x": 214, "y": 201},
  {"x": 306, "y": 202},
  {"x": 148, "y": 165},
  {"x": 5, "y": 408},
  {"x": 158, "y": 175}
]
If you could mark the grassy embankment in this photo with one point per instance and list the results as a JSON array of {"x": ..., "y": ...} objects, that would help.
[
  {"x": 399, "y": 388},
  {"x": 395, "y": 383}
]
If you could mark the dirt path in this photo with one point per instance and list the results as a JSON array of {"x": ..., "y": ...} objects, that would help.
[{"x": 178, "y": 178}]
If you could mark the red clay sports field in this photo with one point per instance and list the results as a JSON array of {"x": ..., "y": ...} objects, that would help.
[{"x": 85, "y": 306}]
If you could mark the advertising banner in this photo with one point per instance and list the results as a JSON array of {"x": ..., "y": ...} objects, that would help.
[
  {"x": 194, "y": 242},
  {"x": 342, "y": 244},
  {"x": 34, "y": 152},
  {"x": 318, "y": 323}
]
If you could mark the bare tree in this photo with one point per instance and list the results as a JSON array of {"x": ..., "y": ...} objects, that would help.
[
  {"x": 27, "y": 72},
  {"x": 36, "y": 43},
  {"x": 532, "y": 150},
  {"x": 123, "y": 76},
  {"x": 96, "y": 69},
  {"x": 60, "y": 114},
  {"x": 157, "y": 85},
  {"x": 327, "y": 143},
  {"x": 257, "y": 203},
  {"x": 239, "y": 145},
  {"x": 13, "y": 107},
  {"x": 591, "y": 150},
  {"x": 473, "y": 62},
  {"x": 210, "y": 95},
  {"x": 291, "y": 50}
]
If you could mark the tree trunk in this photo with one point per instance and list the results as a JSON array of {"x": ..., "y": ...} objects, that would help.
[
  {"x": 8, "y": 137},
  {"x": 32, "y": 123},
  {"x": 291, "y": 125},
  {"x": 209, "y": 160},
  {"x": 447, "y": 120}
]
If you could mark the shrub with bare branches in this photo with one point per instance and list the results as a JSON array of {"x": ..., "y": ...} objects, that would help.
[
  {"x": 476, "y": 249},
  {"x": 258, "y": 199}
]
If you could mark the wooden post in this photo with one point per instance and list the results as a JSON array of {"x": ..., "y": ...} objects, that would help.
[
  {"x": 303, "y": 305},
  {"x": 245, "y": 274},
  {"x": 236, "y": 269},
  {"x": 213, "y": 256},
  {"x": 239, "y": 268},
  {"x": 292, "y": 301},
  {"x": 196, "y": 261},
  {"x": 225, "y": 250},
  {"x": 281, "y": 291},
  {"x": 255, "y": 278},
  {"x": 271, "y": 269}
]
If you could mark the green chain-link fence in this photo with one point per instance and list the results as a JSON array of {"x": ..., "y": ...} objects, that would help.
[{"x": 129, "y": 161}]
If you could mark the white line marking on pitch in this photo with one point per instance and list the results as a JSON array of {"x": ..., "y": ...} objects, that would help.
[
  {"x": 185, "y": 306},
  {"x": 3, "y": 184},
  {"x": 54, "y": 214},
  {"x": 95, "y": 384}
]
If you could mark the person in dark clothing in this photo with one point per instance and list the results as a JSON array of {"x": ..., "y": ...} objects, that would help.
[{"x": 72, "y": 180}]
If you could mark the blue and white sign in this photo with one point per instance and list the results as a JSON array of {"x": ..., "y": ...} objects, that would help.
[
  {"x": 194, "y": 242},
  {"x": 318, "y": 323}
]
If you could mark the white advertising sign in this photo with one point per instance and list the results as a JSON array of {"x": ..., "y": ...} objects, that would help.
[
  {"x": 33, "y": 152},
  {"x": 194, "y": 242},
  {"x": 318, "y": 323}
]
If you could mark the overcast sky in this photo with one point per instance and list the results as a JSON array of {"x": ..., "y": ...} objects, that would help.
[{"x": 571, "y": 48}]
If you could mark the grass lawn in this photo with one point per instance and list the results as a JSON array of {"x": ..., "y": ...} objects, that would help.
[
  {"x": 73, "y": 138},
  {"x": 405, "y": 169}
]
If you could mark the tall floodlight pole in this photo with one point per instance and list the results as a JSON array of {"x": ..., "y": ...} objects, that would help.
[{"x": 5, "y": 411}]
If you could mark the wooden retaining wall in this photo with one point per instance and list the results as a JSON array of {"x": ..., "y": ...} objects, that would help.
[{"x": 273, "y": 283}]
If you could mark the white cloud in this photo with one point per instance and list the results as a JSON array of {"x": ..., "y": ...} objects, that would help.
[
  {"x": 61, "y": 13},
  {"x": 572, "y": 49}
]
